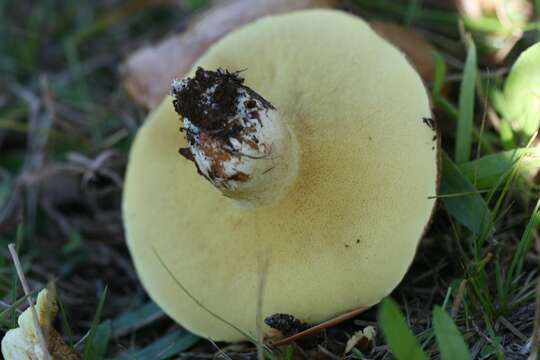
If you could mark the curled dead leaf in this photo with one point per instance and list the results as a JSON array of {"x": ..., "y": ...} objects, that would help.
[
  {"x": 418, "y": 51},
  {"x": 148, "y": 83}
]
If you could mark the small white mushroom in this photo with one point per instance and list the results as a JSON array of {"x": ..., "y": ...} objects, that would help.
[{"x": 22, "y": 342}]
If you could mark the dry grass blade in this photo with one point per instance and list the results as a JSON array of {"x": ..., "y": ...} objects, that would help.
[
  {"x": 26, "y": 289},
  {"x": 535, "y": 339},
  {"x": 536, "y": 329}
]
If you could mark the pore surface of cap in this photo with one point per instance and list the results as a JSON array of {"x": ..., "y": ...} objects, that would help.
[{"x": 347, "y": 231}]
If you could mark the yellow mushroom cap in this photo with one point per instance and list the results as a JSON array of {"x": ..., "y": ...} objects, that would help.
[{"x": 346, "y": 232}]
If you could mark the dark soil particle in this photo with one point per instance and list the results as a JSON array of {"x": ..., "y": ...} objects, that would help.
[
  {"x": 212, "y": 111},
  {"x": 287, "y": 324}
]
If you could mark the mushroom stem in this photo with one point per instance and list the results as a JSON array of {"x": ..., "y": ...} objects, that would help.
[{"x": 236, "y": 137}]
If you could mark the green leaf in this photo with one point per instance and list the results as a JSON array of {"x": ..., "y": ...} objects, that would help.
[
  {"x": 357, "y": 354},
  {"x": 451, "y": 343},
  {"x": 466, "y": 108},
  {"x": 136, "y": 318},
  {"x": 89, "y": 342},
  {"x": 74, "y": 242},
  {"x": 400, "y": 339},
  {"x": 164, "y": 348},
  {"x": 507, "y": 136},
  {"x": 288, "y": 354},
  {"x": 461, "y": 198},
  {"x": 64, "y": 316},
  {"x": 522, "y": 93},
  {"x": 487, "y": 171},
  {"x": 439, "y": 76},
  {"x": 495, "y": 96},
  {"x": 198, "y": 4},
  {"x": 101, "y": 340}
]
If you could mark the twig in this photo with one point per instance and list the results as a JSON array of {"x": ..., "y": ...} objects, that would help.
[
  {"x": 459, "y": 298},
  {"x": 321, "y": 326},
  {"x": 512, "y": 328},
  {"x": 26, "y": 289}
]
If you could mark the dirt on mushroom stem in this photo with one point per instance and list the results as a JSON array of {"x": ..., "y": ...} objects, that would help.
[
  {"x": 209, "y": 101},
  {"x": 235, "y": 135}
]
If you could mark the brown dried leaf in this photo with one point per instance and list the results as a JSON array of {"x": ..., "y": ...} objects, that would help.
[
  {"x": 418, "y": 51},
  {"x": 148, "y": 83}
]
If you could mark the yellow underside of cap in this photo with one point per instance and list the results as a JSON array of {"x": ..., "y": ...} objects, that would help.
[{"x": 345, "y": 235}]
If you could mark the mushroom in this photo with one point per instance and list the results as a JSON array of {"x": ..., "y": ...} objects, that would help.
[
  {"x": 22, "y": 343},
  {"x": 315, "y": 153}
]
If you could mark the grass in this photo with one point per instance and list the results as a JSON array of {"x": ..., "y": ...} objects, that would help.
[{"x": 66, "y": 126}]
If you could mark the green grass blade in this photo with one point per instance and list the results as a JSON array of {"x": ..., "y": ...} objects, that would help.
[
  {"x": 524, "y": 246},
  {"x": 479, "y": 243},
  {"x": 400, "y": 339},
  {"x": 64, "y": 316},
  {"x": 440, "y": 19},
  {"x": 495, "y": 341},
  {"x": 537, "y": 11},
  {"x": 451, "y": 343},
  {"x": 413, "y": 8},
  {"x": 462, "y": 199},
  {"x": 466, "y": 108},
  {"x": 288, "y": 353},
  {"x": 438, "y": 77},
  {"x": 89, "y": 342},
  {"x": 164, "y": 348}
]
